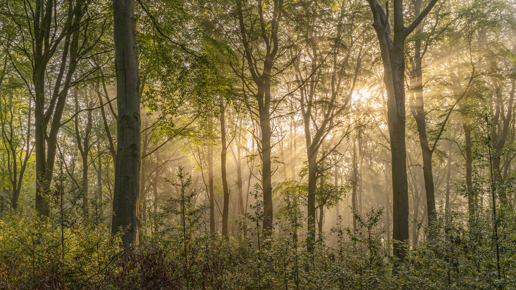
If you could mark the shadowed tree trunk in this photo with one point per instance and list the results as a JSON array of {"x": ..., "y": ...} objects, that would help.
[
  {"x": 99, "y": 180},
  {"x": 238, "y": 160},
  {"x": 418, "y": 111},
  {"x": 223, "y": 155},
  {"x": 127, "y": 174},
  {"x": 469, "y": 167},
  {"x": 210, "y": 189},
  {"x": 447, "y": 209},
  {"x": 83, "y": 144}
]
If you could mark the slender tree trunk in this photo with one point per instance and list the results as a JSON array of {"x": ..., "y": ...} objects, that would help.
[
  {"x": 447, "y": 210},
  {"x": 360, "y": 177},
  {"x": 99, "y": 180},
  {"x": 210, "y": 187},
  {"x": 355, "y": 181},
  {"x": 143, "y": 176},
  {"x": 223, "y": 155},
  {"x": 312, "y": 187},
  {"x": 143, "y": 181},
  {"x": 321, "y": 221},
  {"x": 292, "y": 143},
  {"x": 156, "y": 198},
  {"x": 111, "y": 145},
  {"x": 238, "y": 161},
  {"x": 416, "y": 199},
  {"x": 469, "y": 159},
  {"x": 85, "y": 184},
  {"x": 388, "y": 203},
  {"x": 418, "y": 112},
  {"x": 83, "y": 144},
  {"x": 249, "y": 178},
  {"x": 336, "y": 183},
  {"x": 127, "y": 175}
]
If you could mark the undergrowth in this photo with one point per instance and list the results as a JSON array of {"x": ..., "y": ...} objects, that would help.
[{"x": 177, "y": 251}]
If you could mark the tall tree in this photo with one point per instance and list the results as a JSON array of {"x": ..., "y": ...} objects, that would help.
[
  {"x": 16, "y": 141},
  {"x": 223, "y": 155},
  {"x": 83, "y": 143},
  {"x": 53, "y": 36},
  {"x": 127, "y": 174},
  {"x": 332, "y": 61},
  {"x": 261, "y": 73},
  {"x": 393, "y": 57}
]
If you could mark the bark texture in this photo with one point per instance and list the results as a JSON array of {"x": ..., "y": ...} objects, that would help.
[{"x": 127, "y": 175}]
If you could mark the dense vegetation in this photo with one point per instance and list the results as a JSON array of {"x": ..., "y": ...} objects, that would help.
[{"x": 269, "y": 144}]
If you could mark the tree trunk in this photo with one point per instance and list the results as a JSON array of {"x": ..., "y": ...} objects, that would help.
[
  {"x": 388, "y": 203},
  {"x": 210, "y": 187},
  {"x": 156, "y": 197},
  {"x": 321, "y": 221},
  {"x": 360, "y": 177},
  {"x": 355, "y": 181},
  {"x": 416, "y": 199},
  {"x": 418, "y": 111},
  {"x": 141, "y": 199},
  {"x": 127, "y": 175},
  {"x": 143, "y": 176},
  {"x": 42, "y": 206},
  {"x": 312, "y": 187},
  {"x": 99, "y": 180},
  {"x": 292, "y": 144},
  {"x": 469, "y": 166},
  {"x": 238, "y": 161},
  {"x": 336, "y": 183},
  {"x": 447, "y": 209},
  {"x": 265, "y": 126},
  {"x": 394, "y": 79},
  {"x": 223, "y": 155},
  {"x": 83, "y": 143},
  {"x": 111, "y": 145}
]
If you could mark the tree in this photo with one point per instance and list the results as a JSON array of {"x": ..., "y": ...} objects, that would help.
[
  {"x": 223, "y": 169},
  {"x": 392, "y": 51},
  {"x": 84, "y": 145},
  {"x": 127, "y": 172},
  {"x": 269, "y": 37},
  {"x": 51, "y": 37},
  {"x": 15, "y": 138}
]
